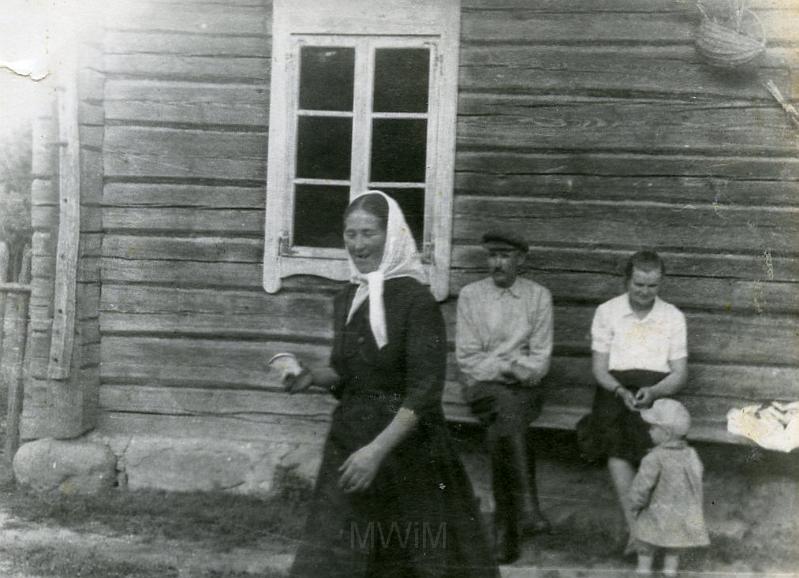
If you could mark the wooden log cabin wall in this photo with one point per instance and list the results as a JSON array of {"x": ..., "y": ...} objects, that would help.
[{"x": 590, "y": 126}]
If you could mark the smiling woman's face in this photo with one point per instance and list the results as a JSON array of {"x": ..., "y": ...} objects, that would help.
[{"x": 365, "y": 240}]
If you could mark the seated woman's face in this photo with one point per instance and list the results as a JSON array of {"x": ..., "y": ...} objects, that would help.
[
  {"x": 365, "y": 239},
  {"x": 643, "y": 287}
]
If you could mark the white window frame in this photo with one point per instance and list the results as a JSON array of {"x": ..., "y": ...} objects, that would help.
[{"x": 365, "y": 25}]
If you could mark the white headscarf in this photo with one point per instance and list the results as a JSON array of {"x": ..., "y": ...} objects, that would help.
[{"x": 400, "y": 259}]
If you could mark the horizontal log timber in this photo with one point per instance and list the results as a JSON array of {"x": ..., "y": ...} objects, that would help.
[
  {"x": 704, "y": 291},
  {"x": 758, "y": 340},
  {"x": 203, "y": 362},
  {"x": 720, "y": 192},
  {"x": 189, "y": 195},
  {"x": 493, "y": 161},
  {"x": 253, "y": 3},
  {"x": 215, "y": 249},
  {"x": 197, "y": 18},
  {"x": 753, "y": 382},
  {"x": 90, "y": 244},
  {"x": 151, "y": 399},
  {"x": 712, "y": 336},
  {"x": 133, "y": 42},
  {"x": 656, "y": 71},
  {"x": 15, "y": 288},
  {"x": 158, "y": 152},
  {"x": 589, "y": 26},
  {"x": 246, "y": 411},
  {"x": 191, "y": 68},
  {"x": 614, "y": 6},
  {"x": 151, "y": 299},
  {"x": 677, "y": 228},
  {"x": 193, "y": 401},
  {"x": 270, "y": 427},
  {"x": 689, "y": 292},
  {"x": 217, "y": 362},
  {"x": 161, "y": 220},
  {"x": 186, "y": 103},
  {"x": 206, "y": 313},
  {"x": 752, "y": 266},
  {"x": 711, "y": 127},
  {"x": 216, "y": 402},
  {"x": 764, "y": 266},
  {"x": 183, "y": 273},
  {"x": 213, "y": 325},
  {"x": 702, "y": 228}
]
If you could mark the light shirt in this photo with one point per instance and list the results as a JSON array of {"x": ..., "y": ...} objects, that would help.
[
  {"x": 633, "y": 343},
  {"x": 498, "y": 326}
]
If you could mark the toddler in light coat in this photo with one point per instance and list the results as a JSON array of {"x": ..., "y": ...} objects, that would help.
[{"x": 666, "y": 494}]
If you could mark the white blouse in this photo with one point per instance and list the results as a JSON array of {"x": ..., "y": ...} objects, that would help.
[{"x": 633, "y": 343}]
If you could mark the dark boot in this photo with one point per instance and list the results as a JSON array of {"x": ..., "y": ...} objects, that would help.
[
  {"x": 523, "y": 467},
  {"x": 506, "y": 520}
]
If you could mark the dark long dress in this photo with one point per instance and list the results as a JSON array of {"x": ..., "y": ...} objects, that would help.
[{"x": 419, "y": 517}]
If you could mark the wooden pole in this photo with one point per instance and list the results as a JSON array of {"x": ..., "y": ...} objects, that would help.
[
  {"x": 4, "y": 267},
  {"x": 63, "y": 331},
  {"x": 15, "y": 327}
]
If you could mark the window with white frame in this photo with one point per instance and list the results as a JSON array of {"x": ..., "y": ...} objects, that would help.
[{"x": 363, "y": 96}]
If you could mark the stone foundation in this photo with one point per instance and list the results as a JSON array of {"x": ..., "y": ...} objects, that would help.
[
  {"x": 751, "y": 495},
  {"x": 75, "y": 466}
]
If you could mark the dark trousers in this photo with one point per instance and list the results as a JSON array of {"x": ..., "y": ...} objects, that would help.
[{"x": 506, "y": 410}]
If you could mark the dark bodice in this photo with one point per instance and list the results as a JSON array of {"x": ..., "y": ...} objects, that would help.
[{"x": 408, "y": 372}]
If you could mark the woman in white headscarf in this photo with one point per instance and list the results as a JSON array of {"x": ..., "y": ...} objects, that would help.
[{"x": 391, "y": 498}]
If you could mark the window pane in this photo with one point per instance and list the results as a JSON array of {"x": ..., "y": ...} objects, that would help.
[
  {"x": 318, "y": 215},
  {"x": 326, "y": 77},
  {"x": 324, "y": 147},
  {"x": 399, "y": 148},
  {"x": 401, "y": 79},
  {"x": 411, "y": 201}
]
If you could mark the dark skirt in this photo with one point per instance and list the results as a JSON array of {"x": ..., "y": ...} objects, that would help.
[
  {"x": 419, "y": 518},
  {"x": 612, "y": 430}
]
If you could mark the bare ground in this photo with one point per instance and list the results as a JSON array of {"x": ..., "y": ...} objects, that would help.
[{"x": 752, "y": 507}]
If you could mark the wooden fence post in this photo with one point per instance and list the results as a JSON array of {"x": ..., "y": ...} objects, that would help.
[
  {"x": 15, "y": 327},
  {"x": 4, "y": 268}
]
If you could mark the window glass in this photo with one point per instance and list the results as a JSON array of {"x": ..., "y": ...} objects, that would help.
[
  {"x": 324, "y": 147},
  {"x": 399, "y": 150},
  {"x": 318, "y": 213},
  {"x": 401, "y": 79},
  {"x": 326, "y": 78},
  {"x": 411, "y": 201}
]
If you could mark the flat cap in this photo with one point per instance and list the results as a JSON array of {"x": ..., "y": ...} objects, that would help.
[{"x": 505, "y": 239}]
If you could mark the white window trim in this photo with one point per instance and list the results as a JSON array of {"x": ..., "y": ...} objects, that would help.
[{"x": 406, "y": 21}]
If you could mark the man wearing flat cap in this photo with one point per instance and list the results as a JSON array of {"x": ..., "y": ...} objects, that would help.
[{"x": 503, "y": 347}]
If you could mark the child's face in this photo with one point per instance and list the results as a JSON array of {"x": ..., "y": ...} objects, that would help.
[{"x": 658, "y": 434}]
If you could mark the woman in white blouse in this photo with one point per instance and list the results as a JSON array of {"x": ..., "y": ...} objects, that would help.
[{"x": 639, "y": 351}]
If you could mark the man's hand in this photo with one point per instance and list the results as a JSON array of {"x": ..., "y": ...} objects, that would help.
[{"x": 523, "y": 374}]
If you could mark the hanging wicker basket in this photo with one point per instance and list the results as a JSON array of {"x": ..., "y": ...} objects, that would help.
[{"x": 728, "y": 45}]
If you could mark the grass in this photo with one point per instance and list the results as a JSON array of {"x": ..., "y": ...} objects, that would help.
[
  {"x": 205, "y": 522},
  {"x": 224, "y": 521}
]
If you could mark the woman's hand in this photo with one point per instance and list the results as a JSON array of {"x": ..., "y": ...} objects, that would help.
[
  {"x": 628, "y": 398},
  {"x": 296, "y": 382},
  {"x": 644, "y": 398},
  {"x": 359, "y": 470}
]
